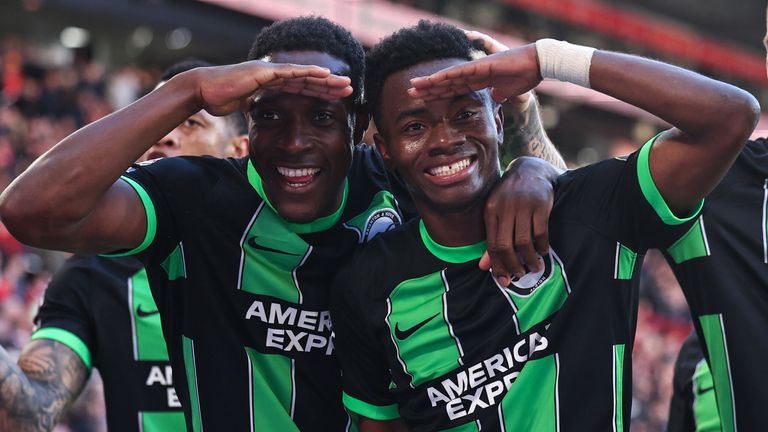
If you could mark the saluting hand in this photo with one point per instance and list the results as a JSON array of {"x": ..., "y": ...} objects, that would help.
[
  {"x": 508, "y": 73},
  {"x": 225, "y": 89}
]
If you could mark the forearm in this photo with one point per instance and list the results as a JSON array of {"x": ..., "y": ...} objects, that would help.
[
  {"x": 692, "y": 103},
  {"x": 35, "y": 392},
  {"x": 529, "y": 136},
  {"x": 65, "y": 184}
]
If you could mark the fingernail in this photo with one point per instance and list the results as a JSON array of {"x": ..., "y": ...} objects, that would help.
[{"x": 503, "y": 280}]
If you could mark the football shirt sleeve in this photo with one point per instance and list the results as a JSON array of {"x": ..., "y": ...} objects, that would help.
[
  {"x": 365, "y": 374},
  {"x": 64, "y": 316}
]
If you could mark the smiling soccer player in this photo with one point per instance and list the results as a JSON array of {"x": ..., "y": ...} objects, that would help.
[{"x": 429, "y": 338}]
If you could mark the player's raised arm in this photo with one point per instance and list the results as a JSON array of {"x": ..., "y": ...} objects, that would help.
[
  {"x": 71, "y": 199},
  {"x": 711, "y": 120},
  {"x": 35, "y": 392}
]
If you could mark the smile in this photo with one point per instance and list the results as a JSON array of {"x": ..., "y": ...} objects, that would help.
[
  {"x": 298, "y": 177},
  {"x": 450, "y": 169}
]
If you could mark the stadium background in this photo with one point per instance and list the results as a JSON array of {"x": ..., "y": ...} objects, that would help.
[{"x": 65, "y": 63}]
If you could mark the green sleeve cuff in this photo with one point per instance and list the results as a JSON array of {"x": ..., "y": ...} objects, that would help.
[
  {"x": 375, "y": 412},
  {"x": 67, "y": 338},
  {"x": 149, "y": 209},
  {"x": 651, "y": 192}
]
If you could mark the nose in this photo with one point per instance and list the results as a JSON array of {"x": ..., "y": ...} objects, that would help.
[
  {"x": 298, "y": 138},
  {"x": 171, "y": 140},
  {"x": 446, "y": 139}
]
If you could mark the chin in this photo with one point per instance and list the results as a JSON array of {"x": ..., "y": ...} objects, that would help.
[{"x": 298, "y": 213}]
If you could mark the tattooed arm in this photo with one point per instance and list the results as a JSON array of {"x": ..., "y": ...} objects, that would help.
[
  {"x": 528, "y": 132},
  {"x": 35, "y": 392},
  {"x": 528, "y": 135}
]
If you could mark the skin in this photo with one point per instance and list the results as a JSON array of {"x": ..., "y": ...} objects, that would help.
[
  {"x": 200, "y": 134},
  {"x": 712, "y": 120},
  {"x": 80, "y": 205},
  {"x": 37, "y": 390},
  {"x": 298, "y": 132},
  {"x": 425, "y": 136},
  {"x": 515, "y": 244}
]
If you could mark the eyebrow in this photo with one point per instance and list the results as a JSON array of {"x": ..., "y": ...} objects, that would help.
[{"x": 475, "y": 96}]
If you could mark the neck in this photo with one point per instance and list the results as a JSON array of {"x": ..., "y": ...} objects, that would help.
[{"x": 456, "y": 228}]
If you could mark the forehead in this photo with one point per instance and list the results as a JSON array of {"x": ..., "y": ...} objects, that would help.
[
  {"x": 395, "y": 91},
  {"x": 336, "y": 65}
]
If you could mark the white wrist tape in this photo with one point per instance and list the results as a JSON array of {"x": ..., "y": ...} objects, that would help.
[{"x": 564, "y": 62}]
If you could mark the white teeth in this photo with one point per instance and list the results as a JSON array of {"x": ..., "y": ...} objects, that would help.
[
  {"x": 447, "y": 170},
  {"x": 300, "y": 172}
]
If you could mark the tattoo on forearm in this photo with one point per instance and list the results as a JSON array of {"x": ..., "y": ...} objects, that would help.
[
  {"x": 529, "y": 136},
  {"x": 35, "y": 393}
]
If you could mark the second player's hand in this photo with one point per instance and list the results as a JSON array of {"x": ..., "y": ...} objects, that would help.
[
  {"x": 516, "y": 219},
  {"x": 225, "y": 89},
  {"x": 509, "y": 73}
]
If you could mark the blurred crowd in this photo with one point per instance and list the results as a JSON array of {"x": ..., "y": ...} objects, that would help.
[{"x": 45, "y": 97}]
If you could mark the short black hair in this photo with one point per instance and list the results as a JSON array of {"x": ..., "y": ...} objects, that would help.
[
  {"x": 236, "y": 121},
  {"x": 410, "y": 46},
  {"x": 311, "y": 33}
]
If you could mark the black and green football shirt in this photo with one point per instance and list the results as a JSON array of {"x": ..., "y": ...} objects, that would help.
[
  {"x": 243, "y": 295},
  {"x": 693, "y": 407},
  {"x": 722, "y": 266},
  {"x": 102, "y": 309},
  {"x": 423, "y": 334}
]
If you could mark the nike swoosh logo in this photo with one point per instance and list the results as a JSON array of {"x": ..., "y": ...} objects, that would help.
[
  {"x": 143, "y": 314},
  {"x": 252, "y": 243},
  {"x": 405, "y": 334},
  {"x": 703, "y": 390}
]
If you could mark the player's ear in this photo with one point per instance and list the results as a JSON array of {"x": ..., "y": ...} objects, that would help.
[
  {"x": 362, "y": 118},
  {"x": 381, "y": 145},
  {"x": 238, "y": 146}
]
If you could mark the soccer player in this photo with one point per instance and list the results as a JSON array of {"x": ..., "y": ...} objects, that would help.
[
  {"x": 239, "y": 253},
  {"x": 722, "y": 266},
  {"x": 422, "y": 333},
  {"x": 99, "y": 312}
]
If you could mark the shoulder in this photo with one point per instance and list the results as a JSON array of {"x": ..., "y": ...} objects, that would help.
[{"x": 380, "y": 256}]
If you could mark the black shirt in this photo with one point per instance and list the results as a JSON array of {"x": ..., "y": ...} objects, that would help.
[
  {"x": 243, "y": 295},
  {"x": 102, "y": 309},
  {"x": 424, "y": 334},
  {"x": 722, "y": 266}
]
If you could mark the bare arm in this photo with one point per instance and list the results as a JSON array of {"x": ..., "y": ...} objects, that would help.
[
  {"x": 70, "y": 198},
  {"x": 528, "y": 132},
  {"x": 366, "y": 424},
  {"x": 712, "y": 120},
  {"x": 35, "y": 392}
]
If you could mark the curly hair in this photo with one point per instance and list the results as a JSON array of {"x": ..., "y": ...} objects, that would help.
[
  {"x": 410, "y": 46},
  {"x": 313, "y": 33}
]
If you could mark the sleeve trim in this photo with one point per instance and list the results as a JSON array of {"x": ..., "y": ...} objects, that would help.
[
  {"x": 149, "y": 208},
  {"x": 651, "y": 192},
  {"x": 67, "y": 338},
  {"x": 375, "y": 412}
]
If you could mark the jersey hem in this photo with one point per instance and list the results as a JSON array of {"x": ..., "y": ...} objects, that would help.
[
  {"x": 375, "y": 412},
  {"x": 651, "y": 192},
  {"x": 149, "y": 209},
  {"x": 68, "y": 339}
]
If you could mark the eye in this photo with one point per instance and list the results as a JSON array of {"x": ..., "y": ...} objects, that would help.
[
  {"x": 267, "y": 115},
  {"x": 324, "y": 117},
  {"x": 414, "y": 127},
  {"x": 464, "y": 115},
  {"x": 192, "y": 123}
]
